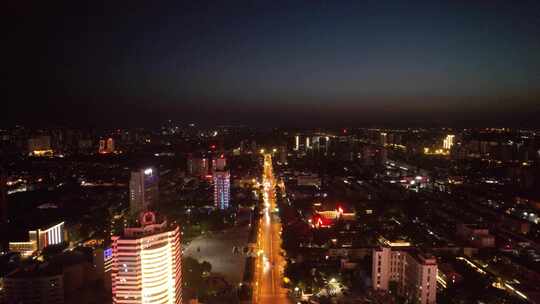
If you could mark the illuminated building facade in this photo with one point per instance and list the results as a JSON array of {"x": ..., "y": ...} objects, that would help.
[
  {"x": 448, "y": 142},
  {"x": 414, "y": 273},
  {"x": 222, "y": 185},
  {"x": 40, "y": 146},
  {"x": 218, "y": 164},
  {"x": 383, "y": 139},
  {"x": 146, "y": 263},
  {"x": 326, "y": 216},
  {"x": 297, "y": 143},
  {"x": 39, "y": 239},
  {"x": 143, "y": 189},
  {"x": 106, "y": 146}
]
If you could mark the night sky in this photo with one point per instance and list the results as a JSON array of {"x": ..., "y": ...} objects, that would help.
[{"x": 272, "y": 62}]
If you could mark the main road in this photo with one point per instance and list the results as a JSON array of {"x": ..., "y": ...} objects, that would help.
[{"x": 270, "y": 262}]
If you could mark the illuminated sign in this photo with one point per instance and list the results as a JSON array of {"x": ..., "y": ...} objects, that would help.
[{"x": 108, "y": 254}]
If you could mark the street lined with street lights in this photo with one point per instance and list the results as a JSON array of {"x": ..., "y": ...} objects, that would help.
[{"x": 270, "y": 262}]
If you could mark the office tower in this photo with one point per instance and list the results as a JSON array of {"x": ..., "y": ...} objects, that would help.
[
  {"x": 448, "y": 141},
  {"x": 106, "y": 146},
  {"x": 197, "y": 166},
  {"x": 110, "y": 145},
  {"x": 3, "y": 199},
  {"x": 102, "y": 146},
  {"x": 414, "y": 273},
  {"x": 283, "y": 155},
  {"x": 146, "y": 263},
  {"x": 308, "y": 143},
  {"x": 297, "y": 143},
  {"x": 222, "y": 184},
  {"x": 143, "y": 189},
  {"x": 383, "y": 139},
  {"x": 39, "y": 239},
  {"x": 218, "y": 164}
]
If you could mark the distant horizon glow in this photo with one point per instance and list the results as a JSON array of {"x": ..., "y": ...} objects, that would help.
[{"x": 292, "y": 63}]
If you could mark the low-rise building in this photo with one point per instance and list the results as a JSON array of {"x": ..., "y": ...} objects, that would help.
[
  {"x": 39, "y": 239},
  {"x": 476, "y": 235}
]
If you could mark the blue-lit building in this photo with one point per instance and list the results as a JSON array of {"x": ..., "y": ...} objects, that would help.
[{"x": 222, "y": 186}]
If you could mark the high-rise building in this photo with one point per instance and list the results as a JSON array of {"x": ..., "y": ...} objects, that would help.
[
  {"x": 110, "y": 145},
  {"x": 297, "y": 143},
  {"x": 222, "y": 185},
  {"x": 383, "y": 139},
  {"x": 143, "y": 189},
  {"x": 448, "y": 141},
  {"x": 147, "y": 263},
  {"x": 102, "y": 146},
  {"x": 414, "y": 273},
  {"x": 197, "y": 166},
  {"x": 219, "y": 163},
  {"x": 283, "y": 155},
  {"x": 106, "y": 146}
]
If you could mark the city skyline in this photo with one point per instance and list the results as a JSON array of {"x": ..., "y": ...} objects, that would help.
[{"x": 270, "y": 152}]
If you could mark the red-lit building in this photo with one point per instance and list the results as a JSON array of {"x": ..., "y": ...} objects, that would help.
[{"x": 326, "y": 214}]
